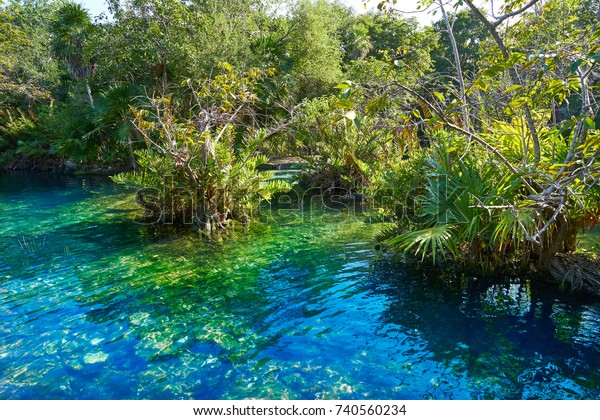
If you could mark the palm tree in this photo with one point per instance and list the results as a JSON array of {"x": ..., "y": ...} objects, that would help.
[
  {"x": 113, "y": 116},
  {"x": 362, "y": 42},
  {"x": 71, "y": 26}
]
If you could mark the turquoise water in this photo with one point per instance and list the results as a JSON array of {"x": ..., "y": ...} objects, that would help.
[{"x": 94, "y": 306}]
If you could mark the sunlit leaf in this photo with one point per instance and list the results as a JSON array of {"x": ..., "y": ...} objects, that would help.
[{"x": 351, "y": 115}]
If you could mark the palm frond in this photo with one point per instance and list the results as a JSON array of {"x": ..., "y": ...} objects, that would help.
[
  {"x": 70, "y": 27},
  {"x": 512, "y": 227},
  {"x": 427, "y": 242},
  {"x": 387, "y": 233}
]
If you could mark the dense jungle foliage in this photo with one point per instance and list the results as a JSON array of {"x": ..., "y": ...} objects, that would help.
[{"x": 475, "y": 136}]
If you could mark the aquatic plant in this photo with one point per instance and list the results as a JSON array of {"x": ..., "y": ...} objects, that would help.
[
  {"x": 507, "y": 182},
  {"x": 202, "y": 169}
]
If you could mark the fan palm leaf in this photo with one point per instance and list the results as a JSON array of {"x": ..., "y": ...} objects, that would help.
[
  {"x": 427, "y": 242},
  {"x": 70, "y": 28}
]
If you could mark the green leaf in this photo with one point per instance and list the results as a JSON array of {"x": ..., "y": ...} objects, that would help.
[
  {"x": 491, "y": 72},
  {"x": 426, "y": 242},
  {"x": 595, "y": 57},
  {"x": 377, "y": 105},
  {"x": 513, "y": 88},
  {"x": 589, "y": 123},
  {"x": 399, "y": 63},
  {"x": 439, "y": 96},
  {"x": 480, "y": 84},
  {"x": 496, "y": 69},
  {"x": 518, "y": 102},
  {"x": 358, "y": 122},
  {"x": 590, "y": 145},
  {"x": 344, "y": 104},
  {"x": 575, "y": 65},
  {"x": 516, "y": 58}
]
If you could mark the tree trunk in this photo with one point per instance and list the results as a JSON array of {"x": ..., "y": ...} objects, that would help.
[
  {"x": 89, "y": 93},
  {"x": 131, "y": 153},
  {"x": 459, "y": 73},
  {"x": 514, "y": 77}
]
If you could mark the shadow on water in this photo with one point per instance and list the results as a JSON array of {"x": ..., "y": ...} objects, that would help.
[
  {"x": 94, "y": 306},
  {"x": 512, "y": 339}
]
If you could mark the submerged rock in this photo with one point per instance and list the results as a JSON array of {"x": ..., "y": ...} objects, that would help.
[
  {"x": 95, "y": 357},
  {"x": 139, "y": 318}
]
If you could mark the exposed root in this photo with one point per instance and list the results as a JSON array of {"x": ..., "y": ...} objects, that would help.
[{"x": 579, "y": 272}]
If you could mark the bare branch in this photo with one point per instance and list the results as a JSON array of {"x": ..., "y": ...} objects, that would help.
[
  {"x": 536, "y": 238},
  {"x": 515, "y": 78},
  {"x": 502, "y": 18},
  {"x": 472, "y": 135}
]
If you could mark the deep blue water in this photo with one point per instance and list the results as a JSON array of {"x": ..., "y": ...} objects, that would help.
[{"x": 94, "y": 306}]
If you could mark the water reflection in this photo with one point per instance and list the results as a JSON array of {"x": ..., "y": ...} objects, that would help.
[
  {"x": 511, "y": 340},
  {"x": 94, "y": 306}
]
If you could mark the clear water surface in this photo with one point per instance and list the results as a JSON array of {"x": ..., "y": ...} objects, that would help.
[{"x": 94, "y": 306}]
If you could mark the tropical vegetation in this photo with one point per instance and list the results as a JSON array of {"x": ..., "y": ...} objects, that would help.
[{"x": 475, "y": 137}]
